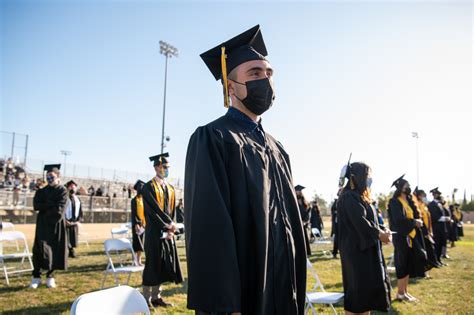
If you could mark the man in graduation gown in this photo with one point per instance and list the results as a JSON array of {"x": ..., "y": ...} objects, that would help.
[
  {"x": 244, "y": 236},
  {"x": 50, "y": 245},
  {"x": 73, "y": 217},
  {"x": 138, "y": 222},
  {"x": 439, "y": 221},
  {"x": 162, "y": 261}
]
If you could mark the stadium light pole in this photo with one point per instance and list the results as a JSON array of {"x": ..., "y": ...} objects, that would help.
[
  {"x": 168, "y": 51},
  {"x": 416, "y": 136},
  {"x": 65, "y": 153}
]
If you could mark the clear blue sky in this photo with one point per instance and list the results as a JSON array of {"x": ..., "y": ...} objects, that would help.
[{"x": 353, "y": 76}]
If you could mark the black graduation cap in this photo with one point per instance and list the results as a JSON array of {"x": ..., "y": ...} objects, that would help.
[
  {"x": 399, "y": 181},
  {"x": 52, "y": 167},
  {"x": 225, "y": 57},
  {"x": 159, "y": 159},
  {"x": 435, "y": 191},
  {"x": 139, "y": 184},
  {"x": 70, "y": 183},
  {"x": 299, "y": 188}
]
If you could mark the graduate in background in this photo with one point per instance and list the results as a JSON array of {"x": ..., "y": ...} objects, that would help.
[
  {"x": 439, "y": 221},
  {"x": 458, "y": 218},
  {"x": 453, "y": 229},
  {"x": 50, "y": 245},
  {"x": 316, "y": 220},
  {"x": 245, "y": 243},
  {"x": 449, "y": 224},
  {"x": 305, "y": 212},
  {"x": 73, "y": 216},
  {"x": 334, "y": 227},
  {"x": 364, "y": 273},
  {"x": 138, "y": 222},
  {"x": 162, "y": 261},
  {"x": 410, "y": 256},
  {"x": 419, "y": 197}
]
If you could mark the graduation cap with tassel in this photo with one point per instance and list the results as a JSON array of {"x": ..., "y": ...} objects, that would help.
[{"x": 225, "y": 57}]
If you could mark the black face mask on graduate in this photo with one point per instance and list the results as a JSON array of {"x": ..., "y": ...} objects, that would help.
[
  {"x": 260, "y": 95},
  {"x": 407, "y": 190}
]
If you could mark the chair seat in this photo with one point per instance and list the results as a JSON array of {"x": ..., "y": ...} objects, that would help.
[
  {"x": 15, "y": 255},
  {"x": 325, "y": 297},
  {"x": 126, "y": 269},
  {"x": 391, "y": 269}
]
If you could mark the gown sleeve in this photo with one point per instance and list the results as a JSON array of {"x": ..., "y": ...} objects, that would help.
[
  {"x": 213, "y": 271},
  {"x": 401, "y": 224},
  {"x": 367, "y": 232},
  {"x": 134, "y": 214}
]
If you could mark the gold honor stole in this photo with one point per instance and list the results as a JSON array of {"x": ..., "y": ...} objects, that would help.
[
  {"x": 425, "y": 215},
  {"x": 160, "y": 197},
  {"x": 140, "y": 210},
  {"x": 409, "y": 215}
]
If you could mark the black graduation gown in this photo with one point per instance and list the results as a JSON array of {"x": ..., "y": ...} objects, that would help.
[
  {"x": 73, "y": 230},
  {"x": 440, "y": 229},
  {"x": 162, "y": 261},
  {"x": 50, "y": 245},
  {"x": 306, "y": 220},
  {"x": 137, "y": 240},
  {"x": 244, "y": 236},
  {"x": 334, "y": 219},
  {"x": 364, "y": 273},
  {"x": 316, "y": 221},
  {"x": 410, "y": 261}
]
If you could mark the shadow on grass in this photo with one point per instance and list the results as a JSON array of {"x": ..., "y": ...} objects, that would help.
[
  {"x": 87, "y": 268},
  {"x": 10, "y": 288},
  {"x": 45, "y": 309},
  {"x": 181, "y": 288}
]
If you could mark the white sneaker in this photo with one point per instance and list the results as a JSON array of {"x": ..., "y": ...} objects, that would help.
[
  {"x": 50, "y": 283},
  {"x": 35, "y": 282}
]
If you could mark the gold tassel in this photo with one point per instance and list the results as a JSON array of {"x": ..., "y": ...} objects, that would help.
[{"x": 224, "y": 77}]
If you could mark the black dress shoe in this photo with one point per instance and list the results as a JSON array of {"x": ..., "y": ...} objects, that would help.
[{"x": 160, "y": 302}]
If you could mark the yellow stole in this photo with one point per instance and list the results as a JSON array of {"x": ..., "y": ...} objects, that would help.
[
  {"x": 140, "y": 209},
  {"x": 457, "y": 214},
  {"x": 160, "y": 197},
  {"x": 409, "y": 214},
  {"x": 425, "y": 214}
]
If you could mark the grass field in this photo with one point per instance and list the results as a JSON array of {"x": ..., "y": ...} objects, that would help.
[{"x": 451, "y": 289}]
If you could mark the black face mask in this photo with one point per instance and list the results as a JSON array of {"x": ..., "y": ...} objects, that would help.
[
  {"x": 260, "y": 95},
  {"x": 407, "y": 190}
]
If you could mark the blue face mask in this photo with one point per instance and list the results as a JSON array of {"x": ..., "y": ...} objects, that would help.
[
  {"x": 369, "y": 182},
  {"x": 50, "y": 179},
  {"x": 164, "y": 172}
]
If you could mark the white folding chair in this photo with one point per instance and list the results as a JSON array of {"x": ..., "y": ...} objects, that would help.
[
  {"x": 322, "y": 296},
  {"x": 14, "y": 236},
  {"x": 319, "y": 239},
  {"x": 391, "y": 264},
  {"x": 114, "y": 301},
  {"x": 11, "y": 227},
  {"x": 83, "y": 236},
  {"x": 120, "y": 231},
  {"x": 119, "y": 246}
]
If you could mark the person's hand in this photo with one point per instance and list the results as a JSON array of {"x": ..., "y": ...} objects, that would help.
[
  {"x": 385, "y": 237},
  {"x": 137, "y": 228},
  {"x": 170, "y": 235},
  {"x": 172, "y": 227},
  {"x": 419, "y": 223}
]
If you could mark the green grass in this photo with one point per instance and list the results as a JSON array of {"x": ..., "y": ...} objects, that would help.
[{"x": 451, "y": 290}]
